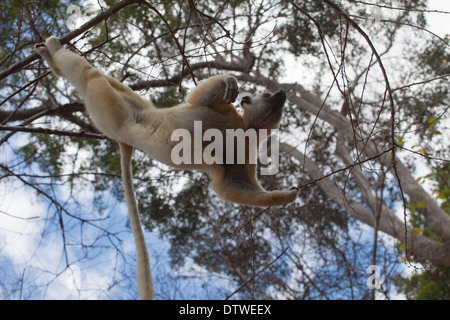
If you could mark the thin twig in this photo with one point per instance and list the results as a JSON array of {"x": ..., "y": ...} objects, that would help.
[{"x": 257, "y": 274}]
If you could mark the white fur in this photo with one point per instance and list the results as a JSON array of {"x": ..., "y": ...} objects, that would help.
[{"x": 124, "y": 116}]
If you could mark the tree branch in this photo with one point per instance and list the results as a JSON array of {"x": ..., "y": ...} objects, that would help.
[
  {"x": 104, "y": 15},
  {"x": 388, "y": 222},
  {"x": 52, "y": 131},
  {"x": 18, "y": 115}
]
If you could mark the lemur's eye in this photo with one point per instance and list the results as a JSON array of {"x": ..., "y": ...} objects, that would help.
[
  {"x": 266, "y": 95},
  {"x": 246, "y": 99}
]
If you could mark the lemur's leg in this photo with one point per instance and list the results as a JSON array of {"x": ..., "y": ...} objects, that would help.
[
  {"x": 238, "y": 183},
  {"x": 104, "y": 98},
  {"x": 42, "y": 50}
]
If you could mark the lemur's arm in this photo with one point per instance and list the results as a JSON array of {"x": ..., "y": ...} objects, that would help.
[{"x": 215, "y": 91}]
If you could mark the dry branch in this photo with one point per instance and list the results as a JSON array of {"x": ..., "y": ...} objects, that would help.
[{"x": 104, "y": 15}]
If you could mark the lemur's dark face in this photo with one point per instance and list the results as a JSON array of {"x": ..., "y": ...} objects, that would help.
[{"x": 264, "y": 110}]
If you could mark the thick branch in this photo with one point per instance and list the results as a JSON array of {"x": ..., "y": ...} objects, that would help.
[
  {"x": 437, "y": 219},
  {"x": 19, "y": 115},
  {"x": 175, "y": 80},
  {"x": 53, "y": 131},
  {"x": 388, "y": 222}
]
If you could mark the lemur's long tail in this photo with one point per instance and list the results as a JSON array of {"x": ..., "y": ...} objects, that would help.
[{"x": 144, "y": 274}]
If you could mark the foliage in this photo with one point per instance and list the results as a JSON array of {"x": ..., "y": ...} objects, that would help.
[
  {"x": 431, "y": 282},
  {"x": 336, "y": 137}
]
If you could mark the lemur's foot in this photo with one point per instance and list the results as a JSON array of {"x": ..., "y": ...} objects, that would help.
[
  {"x": 42, "y": 50},
  {"x": 53, "y": 44}
]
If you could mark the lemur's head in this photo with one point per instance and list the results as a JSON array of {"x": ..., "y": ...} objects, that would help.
[{"x": 264, "y": 110}]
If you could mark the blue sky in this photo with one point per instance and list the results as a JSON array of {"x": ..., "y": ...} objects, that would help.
[{"x": 93, "y": 264}]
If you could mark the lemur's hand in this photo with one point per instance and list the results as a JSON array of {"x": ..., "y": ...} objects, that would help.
[{"x": 231, "y": 90}]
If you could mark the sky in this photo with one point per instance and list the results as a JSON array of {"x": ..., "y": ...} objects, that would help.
[
  {"x": 31, "y": 250},
  {"x": 439, "y": 23}
]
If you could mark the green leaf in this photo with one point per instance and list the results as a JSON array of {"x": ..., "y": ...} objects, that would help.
[
  {"x": 420, "y": 204},
  {"x": 400, "y": 140}
]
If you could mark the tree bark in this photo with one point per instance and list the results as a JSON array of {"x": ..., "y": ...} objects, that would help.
[{"x": 388, "y": 222}]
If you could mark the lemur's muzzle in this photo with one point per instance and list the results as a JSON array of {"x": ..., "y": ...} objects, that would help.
[{"x": 278, "y": 98}]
